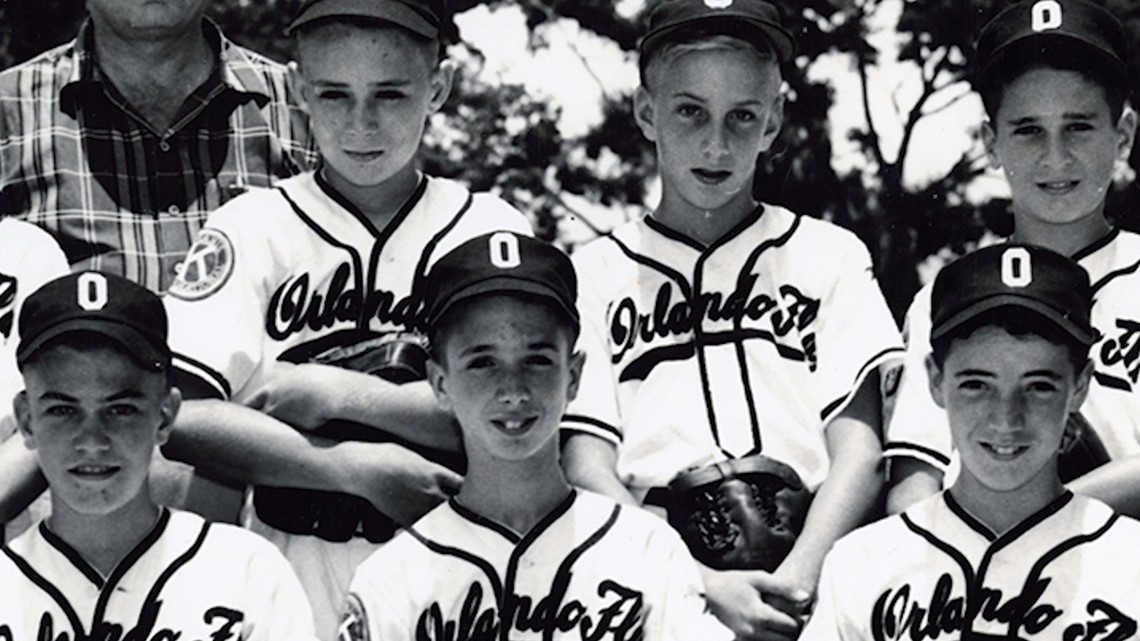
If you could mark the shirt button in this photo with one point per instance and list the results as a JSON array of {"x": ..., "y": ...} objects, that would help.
[
  {"x": 163, "y": 145},
  {"x": 173, "y": 209}
]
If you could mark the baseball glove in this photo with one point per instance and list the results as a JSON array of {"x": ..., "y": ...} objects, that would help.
[
  {"x": 741, "y": 514},
  {"x": 1081, "y": 449},
  {"x": 336, "y": 516}
]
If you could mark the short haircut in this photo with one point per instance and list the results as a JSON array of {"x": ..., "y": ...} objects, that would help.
[
  {"x": 1019, "y": 323},
  {"x": 87, "y": 341},
  {"x": 439, "y": 332},
  {"x": 1045, "y": 53},
  {"x": 431, "y": 49},
  {"x": 708, "y": 37}
]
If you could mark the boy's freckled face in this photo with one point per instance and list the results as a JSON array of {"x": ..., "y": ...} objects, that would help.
[
  {"x": 1057, "y": 144},
  {"x": 94, "y": 418},
  {"x": 508, "y": 374},
  {"x": 368, "y": 93},
  {"x": 1008, "y": 398},
  {"x": 711, "y": 113}
]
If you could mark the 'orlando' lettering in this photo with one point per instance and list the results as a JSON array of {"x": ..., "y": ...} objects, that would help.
[
  {"x": 293, "y": 307},
  {"x": 774, "y": 317}
]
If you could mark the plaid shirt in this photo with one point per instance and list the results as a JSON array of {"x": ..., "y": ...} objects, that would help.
[{"x": 76, "y": 159}]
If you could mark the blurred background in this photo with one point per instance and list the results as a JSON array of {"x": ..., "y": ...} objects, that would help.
[{"x": 881, "y": 133}]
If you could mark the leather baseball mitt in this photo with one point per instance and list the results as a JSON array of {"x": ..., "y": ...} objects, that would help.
[{"x": 739, "y": 514}]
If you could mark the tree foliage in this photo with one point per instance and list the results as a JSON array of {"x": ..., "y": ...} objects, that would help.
[{"x": 503, "y": 138}]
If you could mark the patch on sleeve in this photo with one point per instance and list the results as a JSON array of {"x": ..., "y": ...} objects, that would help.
[
  {"x": 353, "y": 623},
  {"x": 206, "y": 268}
]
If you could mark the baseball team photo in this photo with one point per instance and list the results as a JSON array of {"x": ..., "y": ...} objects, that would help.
[{"x": 591, "y": 320}]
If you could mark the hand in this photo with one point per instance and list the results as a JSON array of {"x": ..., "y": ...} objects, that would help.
[
  {"x": 396, "y": 480},
  {"x": 303, "y": 396},
  {"x": 752, "y": 603}
]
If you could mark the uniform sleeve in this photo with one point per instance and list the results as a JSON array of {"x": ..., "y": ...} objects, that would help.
[
  {"x": 216, "y": 306},
  {"x": 595, "y": 409},
  {"x": 824, "y": 624},
  {"x": 916, "y": 426},
  {"x": 857, "y": 332},
  {"x": 367, "y": 614},
  {"x": 681, "y": 612},
  {"x": 280, "y": 611}
]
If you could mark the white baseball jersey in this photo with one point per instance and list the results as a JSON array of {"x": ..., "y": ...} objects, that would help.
[
  {"x": 29, "y": 257},
  {"x": 187, "y": 579},
  {"x": 919, "y": 428},
  {"x": 935, "y": 573},
  {"x": 591, "y": 569},
  {"x": 282, "y": 274},
  {"x": 751, "y": 345}
]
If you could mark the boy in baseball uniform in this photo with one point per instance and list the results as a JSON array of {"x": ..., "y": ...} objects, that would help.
[
  {"x": 1053, "y": 78},
  {"x": 109, "y": 563},
  {"x": 518, "y": 553},
  {"x": 1007, "y": 551},
  {"x": 718, "y": 328},
  {"x": 330, "y": 260}
]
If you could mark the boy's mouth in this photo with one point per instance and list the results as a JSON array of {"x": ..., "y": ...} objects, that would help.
[
  {"x": 514, "y": 424},
  {"x": 711, "y": 176},
  {"x": 1003, "y": 451},
  {"x": 1058, "y": 187},
  {"x": 364, "y": 156},
  {"x": 94, "y": 471}
]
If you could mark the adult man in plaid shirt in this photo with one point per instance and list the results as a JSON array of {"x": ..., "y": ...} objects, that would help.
[{"x": 122, "y": 141}]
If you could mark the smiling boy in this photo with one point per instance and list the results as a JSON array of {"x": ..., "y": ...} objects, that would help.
[
  {"x": 720, "y": 329},
  {"x": 109, "y": 563},
  {"x": 1053, "y": 78},
  {"x": 519, "y": 553},
  {"x": 330, "y": 259},
  {"x": 1006, "y": 552}
]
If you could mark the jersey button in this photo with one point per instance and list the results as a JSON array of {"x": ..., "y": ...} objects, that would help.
[
  {"x": 173, "y": 209},
  {"x": 163, "y": 145}
]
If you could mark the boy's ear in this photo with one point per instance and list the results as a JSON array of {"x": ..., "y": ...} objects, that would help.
[
  {"x": 989, "y": 139},
  {"x": 577, "y": 361},
  {"x": 24, "y": 418},
  {"x": 1081, "y": 390},
  {"x": 774, "y": 123},
  {"x": 169, "y": 411},
  {"x": 643, "y": 113},
  {"x": 295, "y": 81},
  {"x": 1125, "y": 133},
  {"x": 441, "y": 80},
  {"x": 436, "y": 376},
  {"x": 934, "y": 376}
]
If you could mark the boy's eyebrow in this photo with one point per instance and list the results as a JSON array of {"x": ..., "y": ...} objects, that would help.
[
  {"x": 975, "y": 372},
  {"x": 1068, "y": 115},
  {"x": 118, "y": 396},
  {"x": 484, "y": 347}
]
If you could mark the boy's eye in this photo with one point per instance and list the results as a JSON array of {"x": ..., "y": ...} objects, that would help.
[
  {"x": 60, "y": 410},
  {"x": 743, "y": 116},
  {"x": 390, "y": 94},
  {"x": 539, "y": 359},
  {"x": 1079, "y": 126},
  {"x": 688, "y": 111},
  {"x": 480, "y": 362},
  {"x": 123, "y": 410},
  {"x": 1026, "y": 130},
  {"x": 1042, "y": 387},
  {"x": 332, "y": 94},
  {"x": 972, "y": 385}
]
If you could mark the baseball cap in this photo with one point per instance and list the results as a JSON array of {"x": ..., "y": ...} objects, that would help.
[
  {"x": 501, "y": 262},
  {"x": 752, "y": 20},
  {"x": 418, "y": 16},
  {"x": 1032, "y": 278},
  {"x": 1081, "y": 27},
  {"x": 106, "y": 304}
]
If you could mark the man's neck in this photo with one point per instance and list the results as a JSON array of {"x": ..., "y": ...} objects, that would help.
[{"x": 156, "y": 76}]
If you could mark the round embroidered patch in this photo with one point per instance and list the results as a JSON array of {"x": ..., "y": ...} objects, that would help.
[{"x": 206, "y": 268}]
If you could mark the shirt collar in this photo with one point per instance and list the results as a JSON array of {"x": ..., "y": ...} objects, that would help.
[{"x": 238, "y": 70}]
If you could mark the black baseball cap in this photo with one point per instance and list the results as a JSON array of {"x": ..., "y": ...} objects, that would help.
[
  {"x": 123, "y": 311},
  {"x": 501, "y": 262},
  {"x": 421, "y": 17},
  {"x": 1080, "y": 27},
  {"x": 756, "y": 21},
  {"x": 1025, "y": 276}
]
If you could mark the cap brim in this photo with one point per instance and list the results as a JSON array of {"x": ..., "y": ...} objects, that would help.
[
  {"x": 501, "y": 285},
  {"x": 390, "y": 11},
  {"x": 1082, "y": 335},
  {"x": 137, "y": 346},
  {"x": 780, "y": 40}
]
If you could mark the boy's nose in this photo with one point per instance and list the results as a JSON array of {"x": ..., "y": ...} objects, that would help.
[
  {"x": 715, "y": 145},
  {"x": 92, "y": 436},
  {"x": 513, "y": 388},
  {"x": 1009, "y": 414}
]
